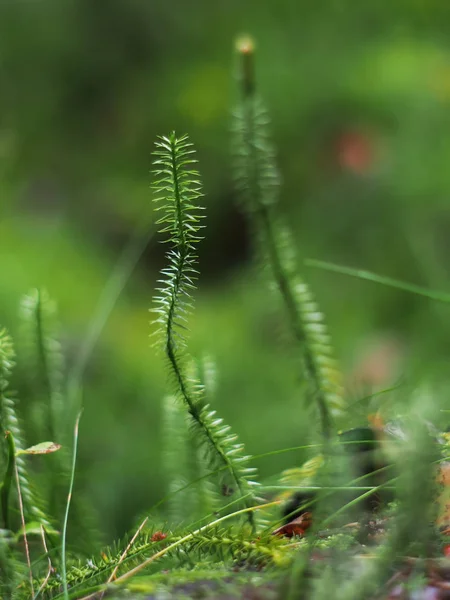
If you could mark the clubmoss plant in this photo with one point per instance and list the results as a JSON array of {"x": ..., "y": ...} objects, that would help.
[
  {"x": 177, "y": 190},
  {"x": 258, "y": 181}
]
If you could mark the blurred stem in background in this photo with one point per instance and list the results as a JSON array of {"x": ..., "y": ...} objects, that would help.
[{"x": 121, "y": 273}]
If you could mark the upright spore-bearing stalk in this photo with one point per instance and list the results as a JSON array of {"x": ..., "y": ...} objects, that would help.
[
  {"x": 258, "y": 182},
  {"x": 177, "y": 189}
]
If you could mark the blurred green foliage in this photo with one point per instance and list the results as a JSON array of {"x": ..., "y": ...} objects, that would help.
[{"x": 359, "y": 94}]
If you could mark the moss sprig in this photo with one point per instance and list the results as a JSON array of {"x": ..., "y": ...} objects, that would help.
[
  {"x": 258, "y": 182},
  {"x": 177, "y": 189}
]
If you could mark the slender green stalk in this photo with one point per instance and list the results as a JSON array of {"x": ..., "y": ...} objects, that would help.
[
  {"x": 7, "y": 481},
  {"x": 383, "y": 280},
  {"x": 178, "y": 189},
  {"x": 316, "y": 488},
  {"x": 258, "y": 182},
  {"x": 44, "y": 366},
  {"x": 66, "y": 515},
  {"x": 114, "y": 286}
]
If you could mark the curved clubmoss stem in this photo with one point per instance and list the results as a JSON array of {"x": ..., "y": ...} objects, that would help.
[{"x": 178, "y": 188}]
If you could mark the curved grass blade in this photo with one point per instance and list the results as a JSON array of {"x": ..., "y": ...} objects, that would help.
[{"x": 383, "y": 280}]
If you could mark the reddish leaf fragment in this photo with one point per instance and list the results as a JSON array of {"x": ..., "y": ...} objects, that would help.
[
  {"x": 158, "y": 536},
  {"x": 296, "y": 527}
]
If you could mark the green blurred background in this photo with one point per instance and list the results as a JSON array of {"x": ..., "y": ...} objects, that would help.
[{"x": 359, "y": 97}]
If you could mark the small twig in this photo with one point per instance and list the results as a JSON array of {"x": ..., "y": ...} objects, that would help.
[
  {"x": 191, "y": 535},
  {"x": 22, "y": 516},
  {"x": 50, "y": 566},
  {"x": 123, "y": 555},
  {"x": 181, "y": 541}
]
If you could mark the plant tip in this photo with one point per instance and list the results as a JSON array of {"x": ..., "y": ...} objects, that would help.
[
  {"x": 245, "y": 47},
  {"x": 245, "y": 44}
]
